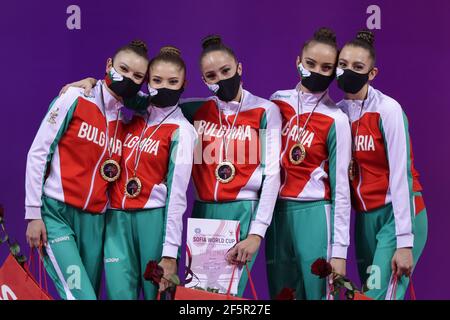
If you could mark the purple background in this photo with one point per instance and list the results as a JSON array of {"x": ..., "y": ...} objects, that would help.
[{"x": 39, "y": 55}]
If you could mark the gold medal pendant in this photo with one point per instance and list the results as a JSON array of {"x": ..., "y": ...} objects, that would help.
[
  {"x": 133, "y": 187},
  {"x": 297, "y": 154},
  {"x": 352, "y": 169},
  {"x": 110, "y": 170},
  {"x": 225, "y": 172}
]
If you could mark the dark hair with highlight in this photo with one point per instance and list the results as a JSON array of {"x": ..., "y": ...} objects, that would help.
[
  {"x": 324, "y": 36},
  {"x": 169, "y": 54},
  {"x": 365, "y": 39},
  {"x": 137, "y": 46},
  {"x": 214, "y": 43}
]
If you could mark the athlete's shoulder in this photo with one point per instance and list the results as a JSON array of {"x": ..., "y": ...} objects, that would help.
[
  {"x": 184, "y": 129},
  {"x": 385, "y": 104},
  {"x": 71, "y": 95},
  {"x": 253, "y": 101},
  {"x": 283, "y": 95},
  {"x": 185, "y": 102},
  {"x": 190, "y": 106},
  {"x": 330, "y": 108}
]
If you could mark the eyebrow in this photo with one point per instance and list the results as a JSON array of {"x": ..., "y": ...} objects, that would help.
[
  {"x": 308, "y": 58},
  {"x": 225, "y": 66}
]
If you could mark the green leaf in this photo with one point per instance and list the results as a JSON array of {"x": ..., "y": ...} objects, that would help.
[
  {"x": 15, "y": 249},
  {"x": 339, "y": 282},
  {"x": 348, "y": 286},
  {"x": 5, "y": 239},
  {"x": 21, "y": 259},
  {"x": 174, "y": 279}
]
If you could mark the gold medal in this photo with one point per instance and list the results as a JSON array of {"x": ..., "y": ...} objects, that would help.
[
  {"x": 297, "y": 154},
  {"x": 133, "y": 187},
  {"x": 352, "y": 169},
  {"x": 225, "y": 172},
  {"x": 110, "y": 170}
]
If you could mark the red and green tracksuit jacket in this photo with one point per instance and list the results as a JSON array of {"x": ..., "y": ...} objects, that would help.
[
  {"x": 254, "y": 146},
  {"x": 64, "y": 160},
  {"x": 385, "y": 161},
  {"x": 323, "y": 175},
  {"x": 164, "y": 168}
]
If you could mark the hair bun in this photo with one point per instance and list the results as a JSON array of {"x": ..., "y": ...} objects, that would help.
[
  {"x": 170, "y": 50},
  {"x": 211, "y": 40},
  {"x": 325, "y": 34},
  {"x": 366, "y": 36},
  {"x": 139, "y": 44}
]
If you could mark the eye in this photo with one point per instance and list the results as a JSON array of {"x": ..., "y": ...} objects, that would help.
[
  {"x": 226, "y": 70},
  {"x": 156, "y": 80},
  {"x": 138, "y": 76},
  {"x": 310, "y": 64},
  {"x": 326, "y": 68},
  {"x": 342, "y": 65},
  {"x": 210, "y": 76},
  {"x": 173, "y": 82},
  {"x": 124, "y": 69}
]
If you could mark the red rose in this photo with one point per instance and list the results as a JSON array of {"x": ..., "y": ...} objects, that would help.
[
  {"x": 153, "y": 272},
  {"x": 286, "y": 294},
  {"x": 321, "y": 268}
]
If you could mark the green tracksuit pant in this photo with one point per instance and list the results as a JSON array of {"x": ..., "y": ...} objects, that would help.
[
  {"x": 376, "y": 244},
  {"x": 133, "y": 238},
  {"x": 298, "y": 235},
  {"x": 74, "y": 254}
]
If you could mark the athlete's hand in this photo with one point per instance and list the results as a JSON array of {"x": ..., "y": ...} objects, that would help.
[
  {"x": 36, "y": 233},
  {"x": 339, "y": 266},
  {"x": 170, "y": 268},
  {"x": 402, "y": 262},
  {"x": 87, "y": 84},
  {"x": 244, "y": 250}
]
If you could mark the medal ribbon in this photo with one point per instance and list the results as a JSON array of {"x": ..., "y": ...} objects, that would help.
[
  {"x": 226, "y": 141},
  {"x": 357, "y": 128},
  {"x": 108, "y": 146},
  {"x": 138, "y": 145},
  {"x": 309, "y": 117}
]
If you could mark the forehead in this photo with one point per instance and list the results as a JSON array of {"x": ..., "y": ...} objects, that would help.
[
  {"x": 354, "y": 54},
  {"x": 132, "y": 60},
  {"x": 322, "y": 53},
  {"x": 216, "y": 59},
  {"x": 165, "y": 69}
]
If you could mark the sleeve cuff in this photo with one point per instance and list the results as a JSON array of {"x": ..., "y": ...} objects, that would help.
[
  {"x": 405, "y": 241},
  {"x": 339, "y": 251},
  {"x": 33, "y": 213},
  {"x": 258, "y": 228},
  {"x": 170, "y": 251}
]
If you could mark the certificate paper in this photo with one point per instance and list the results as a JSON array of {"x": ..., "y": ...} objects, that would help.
[{"x": 208, "y": 241}]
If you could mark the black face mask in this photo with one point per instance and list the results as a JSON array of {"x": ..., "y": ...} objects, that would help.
[
  {"x": 226, "y": 90},
  {"x": 122, "y": 86},
  {"x": 165, "y": 97},
  {"x": 350, "y": 81},
  {"x": 313, "y": 81}
]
